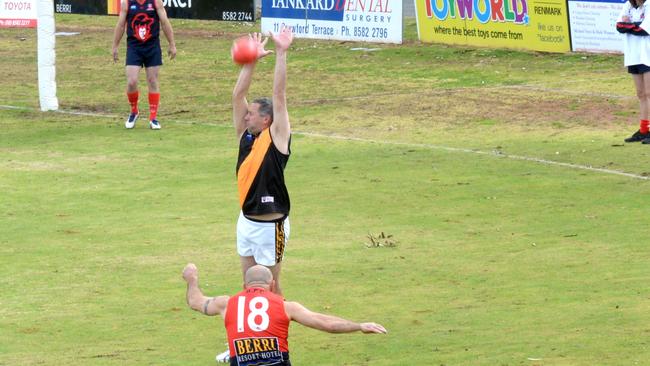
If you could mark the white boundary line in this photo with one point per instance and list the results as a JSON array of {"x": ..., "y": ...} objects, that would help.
[
  {"x": 396, "y": 143},
  {"x": 59, "y": 111},
  {"x": 479, "y": 152}
]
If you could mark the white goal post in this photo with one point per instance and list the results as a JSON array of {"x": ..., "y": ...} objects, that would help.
[
  {"x": 37, "y": 14},
  {"x": 46, "y": 56}
]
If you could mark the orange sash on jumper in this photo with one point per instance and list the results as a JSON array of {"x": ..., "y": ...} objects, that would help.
[{"x": 251, "y": 164}]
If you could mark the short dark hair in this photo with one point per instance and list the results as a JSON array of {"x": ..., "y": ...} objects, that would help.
[
  {"x": 635, "y": 3},
  {"x": 266, "y": 107}
]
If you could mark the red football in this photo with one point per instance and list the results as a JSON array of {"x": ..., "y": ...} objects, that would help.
[{"x": 244, "y": 50}]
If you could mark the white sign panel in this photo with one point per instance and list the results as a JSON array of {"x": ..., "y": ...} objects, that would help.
[
  {"x": 345, "y": 20},
  {"x": 593, "y": 25},
  {"x": 18, "y": 14}
]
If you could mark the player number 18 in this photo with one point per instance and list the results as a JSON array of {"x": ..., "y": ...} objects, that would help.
[{"x": 256, "y": 313}]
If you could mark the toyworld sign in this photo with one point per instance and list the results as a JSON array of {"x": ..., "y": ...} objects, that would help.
[
  {"x": 540, "y": 25},
  {"x": 230, "y": 10}
]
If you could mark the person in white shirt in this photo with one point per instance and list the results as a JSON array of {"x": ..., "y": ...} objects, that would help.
[{"x": 634, "y": 23}]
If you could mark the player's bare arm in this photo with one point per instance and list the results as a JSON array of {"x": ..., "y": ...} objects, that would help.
[
  {"x": 167, "y": 28},
  {"x": 120, "y": 28},
  {"x": 239, "y": 102},
  {"x": 280, "y": 128},
  {"x": 328, "y": 323},
  {"x": 195, "y": 298}
]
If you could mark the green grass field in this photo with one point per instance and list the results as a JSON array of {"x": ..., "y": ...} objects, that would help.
[{"x": 497, "y": 260}]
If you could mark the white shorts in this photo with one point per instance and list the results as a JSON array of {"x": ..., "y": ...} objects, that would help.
[{"x": 264, "y": 241}]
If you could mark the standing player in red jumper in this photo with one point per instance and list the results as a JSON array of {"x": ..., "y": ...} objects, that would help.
[
  {"x": 142, "y": 20},
  {"x": 257, "y": 320}
]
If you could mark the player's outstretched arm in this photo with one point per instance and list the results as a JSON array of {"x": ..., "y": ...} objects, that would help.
[
  {"x": 239, "y": 102},
  {"x": 328, "y": 323},
  {"x": 280, "y": 128},
  {"x": 120, "y": 27},
  {"x": 195, "y": 298},
  {"x": 167, "y": 28}
]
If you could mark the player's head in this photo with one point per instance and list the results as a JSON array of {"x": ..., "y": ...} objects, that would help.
[
  {"x": 636, "y": 3},
  {"x": 259, "y": 276},
  {"x": 260, "y": 115},
  {"x": 264, "y": 107}
]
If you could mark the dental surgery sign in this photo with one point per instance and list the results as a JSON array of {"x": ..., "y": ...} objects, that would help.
[
  {"x": 345, "y": 20},
  {"x": 540, "y": 25}
]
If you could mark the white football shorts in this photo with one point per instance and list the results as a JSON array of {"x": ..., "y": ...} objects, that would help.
[{"x": 264, "y": 241}]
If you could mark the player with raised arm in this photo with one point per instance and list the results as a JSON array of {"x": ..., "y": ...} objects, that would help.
[
  {"x": 264, "y": 134},
  {"x": 257, "y": 320}
]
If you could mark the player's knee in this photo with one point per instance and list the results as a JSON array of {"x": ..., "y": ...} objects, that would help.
[
  {"x": 132, "y": 83},
  {"x": 153, "y": 87}
]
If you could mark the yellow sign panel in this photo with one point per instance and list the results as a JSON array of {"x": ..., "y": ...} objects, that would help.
[
  {"x": 540, "y": 25},
  {"x": 113, "y": 7}
]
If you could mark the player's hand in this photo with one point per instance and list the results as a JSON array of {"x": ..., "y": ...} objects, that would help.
[
  {"x": 171, "y": 52},
  {"x": 190, "y": 272},
  {"x": 115, "y": 58},
  {"x": 283, "y": 39},
  {"x": 626, "y": 19},
  {"x": 373, "y": 328},
  {"x": 261, "y": 44}
]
